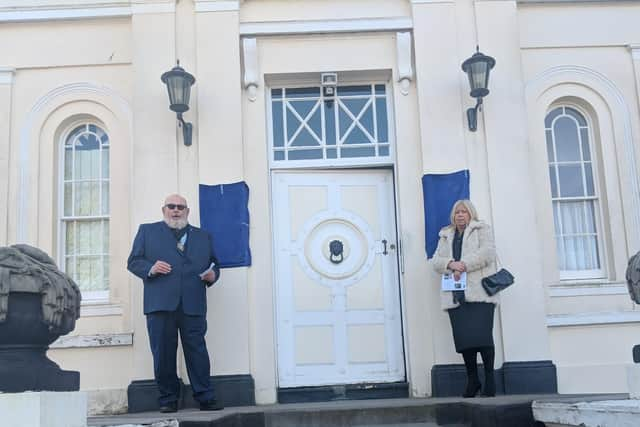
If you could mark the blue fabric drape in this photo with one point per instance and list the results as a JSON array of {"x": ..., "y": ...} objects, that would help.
[
  {"x": 224, "y": 213},
  {"x": 440, "y": 192}
]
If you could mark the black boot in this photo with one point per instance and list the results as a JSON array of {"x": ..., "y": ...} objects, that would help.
[
  {"x": 488, "y": 355},
  {"x": 471, "y": 365}
]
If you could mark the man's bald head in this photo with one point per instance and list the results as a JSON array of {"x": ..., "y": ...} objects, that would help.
[{"x": 175, "y": 211}]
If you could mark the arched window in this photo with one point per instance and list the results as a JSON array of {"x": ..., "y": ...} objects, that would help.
[
  {"x": 84, "y": 209},
  {"x": 574, "y": 194}
]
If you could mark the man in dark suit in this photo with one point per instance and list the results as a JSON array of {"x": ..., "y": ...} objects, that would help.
[{"x": 175, "y": 260}]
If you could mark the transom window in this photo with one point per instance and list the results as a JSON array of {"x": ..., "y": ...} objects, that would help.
[
  {"x": 574, "y": 194},
  {"x": 84, "y": 208},
  {"x": 308, "y": 126}
]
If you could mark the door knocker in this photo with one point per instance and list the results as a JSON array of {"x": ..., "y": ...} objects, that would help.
[{"x": 335, "y": 249}]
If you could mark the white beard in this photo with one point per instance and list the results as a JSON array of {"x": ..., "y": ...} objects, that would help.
[{"x": 176, "y": 223}]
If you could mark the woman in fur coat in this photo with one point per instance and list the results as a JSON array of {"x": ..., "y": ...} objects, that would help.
[{"x": 466, "y": 245}]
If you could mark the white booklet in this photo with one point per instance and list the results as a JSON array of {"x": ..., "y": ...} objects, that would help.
[{"x": 451, "y": 284}]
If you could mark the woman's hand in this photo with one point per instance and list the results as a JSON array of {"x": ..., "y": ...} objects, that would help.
[{"x": 457, "y": 266}]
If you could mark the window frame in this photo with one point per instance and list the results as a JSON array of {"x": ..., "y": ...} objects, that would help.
[
  {"x": 597, "y": 198},
  {"x": 290, "y": 82},
  {"x": 88, "y": 297}
]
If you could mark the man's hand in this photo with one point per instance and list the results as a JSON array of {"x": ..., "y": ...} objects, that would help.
[
  {"x": 160, "y": 267},
  {"x": 209, "y": 276}
]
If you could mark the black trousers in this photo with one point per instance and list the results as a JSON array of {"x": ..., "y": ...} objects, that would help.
[{"x": 163, "y": 328}]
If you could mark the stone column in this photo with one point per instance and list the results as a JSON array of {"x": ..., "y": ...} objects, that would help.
[
  {"x": 527, "y": 366},
  {"x": 220, "y": 154},
  {"x": 6, "y": 83},
  {"x": 154, "y": 164}
]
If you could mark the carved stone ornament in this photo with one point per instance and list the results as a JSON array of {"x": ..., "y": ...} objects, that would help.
[
  {"x": 38, "y": 303},
  {"x": 633, "y": 277}
]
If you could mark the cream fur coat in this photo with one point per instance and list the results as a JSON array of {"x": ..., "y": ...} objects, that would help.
[{"x": 478, "y": 254}]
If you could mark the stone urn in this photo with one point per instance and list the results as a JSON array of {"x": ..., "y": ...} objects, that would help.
[{"x": 38, "y": 303}]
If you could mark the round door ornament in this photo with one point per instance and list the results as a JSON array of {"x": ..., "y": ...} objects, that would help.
[{"x": 337, "y": 248}]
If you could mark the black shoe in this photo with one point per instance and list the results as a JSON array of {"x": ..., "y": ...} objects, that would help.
[
  {"x": 211, "y": 405},
  {"x": 473, "y": 387},
  {"x": 489, "y": 389},
  {"x": 169, "y": 407}
]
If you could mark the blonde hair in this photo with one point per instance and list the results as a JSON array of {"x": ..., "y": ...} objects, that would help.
[{"x": 468, "y": 206}]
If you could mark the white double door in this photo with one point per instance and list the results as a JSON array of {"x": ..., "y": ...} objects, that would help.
[{"x": 336, "y": 263}]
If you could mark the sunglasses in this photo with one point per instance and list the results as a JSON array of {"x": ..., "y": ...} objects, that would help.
[{"x": 172, "y": 206}]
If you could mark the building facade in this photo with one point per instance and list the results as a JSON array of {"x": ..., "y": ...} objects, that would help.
[{"x": 89, "y": 149}]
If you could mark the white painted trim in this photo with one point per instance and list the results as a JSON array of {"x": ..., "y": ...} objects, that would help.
[
  {"x": 404, "y": 52},
  {"x": 583, "y": 319},
  {"x": 97, "y": 310},
  {"x": 251, "y": 70},
  {"x": 635, "y": 51},
  {"x": 587, "y": 289},
  {"x": 160, "y": 7},
  {"x": 98, "y": 340},
  {"x": 327, "y": 26},
  {"x": 6, "y": 75},
  {"x": 80, "y": 91},
  {"x": 217, "y": 5},
  {"x": 431, "y": 1},
  {"x": 27, "y": 15},
  {"x": 615, "y": 99}
]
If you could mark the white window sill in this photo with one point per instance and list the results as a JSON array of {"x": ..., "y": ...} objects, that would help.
[
  {"x": 585, "y": 319},
  {"x": 99, "y": 308},
  {"x": 575, "y": 288},
  {"x": 98, "y": 340}
]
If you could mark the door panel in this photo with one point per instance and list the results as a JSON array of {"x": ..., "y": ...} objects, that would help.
[{"x": 338, "y": 306}]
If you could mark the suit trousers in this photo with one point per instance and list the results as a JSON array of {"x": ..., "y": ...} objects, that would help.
[{"x": 163, "y": 328}]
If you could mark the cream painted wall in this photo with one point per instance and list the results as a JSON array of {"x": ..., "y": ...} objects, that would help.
[
  {"x": 6, "y": 78},
  {"x": 320, "y": 10}
]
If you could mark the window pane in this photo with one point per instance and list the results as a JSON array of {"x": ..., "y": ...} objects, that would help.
[
  {"x": 278, "y": 134},
  {"x": 573, "y": 218},
  {"x": 292, "y": 124},
  {"x": 355, "y": 106},
  {"x": 276, "y": 93},
  {"x": 332, "y": 153},
  {"x": 552, "y": 115},
  {"x": 305, "y": 154},
  {"x": 570, "y": 180},
  {"x": 304, "y": 138},
  {"x": 380, "y": 90},
  {"x": 68, "y": 199},
  {"x": 576, "y": 115},
  {"x": 384, "y": 150},
  {"x": 588, "y": 173},
  {"x": 105, "y": 237},
  {"x": 302, "y": 92},
  {"x": 69, "y": 237},
  {"x": 89, "y": 237},
  {"x": 105, "y": 162},
  {"x": 381, "y": 120},
  {"x": 554, "y": 184},
  {"x": 358, "y": 152},
  {"x": 550, "y": 154},
  {"x": 89, "y": 273},
  {"x": 87, "y": 199},
  {"x": 68, "y": 163},
  {"x": 357, "y": 136},
  {"x": 303, "y": 108},
  {"x": 581, "y": 253},
  {"x": 354, "y": 90},
  {"x": 105, "y": 272},
  {"x": 278, "y": 155},
  {"x": 69, "y": 267},
  {"x": 586, "y": 153},
  {"x": 105, "y": 198},
  {"x": 567, "y": 143},
  {"x": 330, "y": 123}
]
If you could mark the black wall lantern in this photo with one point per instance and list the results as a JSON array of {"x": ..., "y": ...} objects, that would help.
[
  {"x": 477, "y": 68},
  {"x": 179, "y": 84}
]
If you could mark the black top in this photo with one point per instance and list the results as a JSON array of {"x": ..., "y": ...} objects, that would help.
[{"x": 456, "y": 249}]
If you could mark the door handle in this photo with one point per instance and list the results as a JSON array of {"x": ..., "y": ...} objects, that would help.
[{"x": 384, "y": 246}]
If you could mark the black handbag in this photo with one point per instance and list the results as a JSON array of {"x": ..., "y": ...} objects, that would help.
[{"x": 498, "y": 281}]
